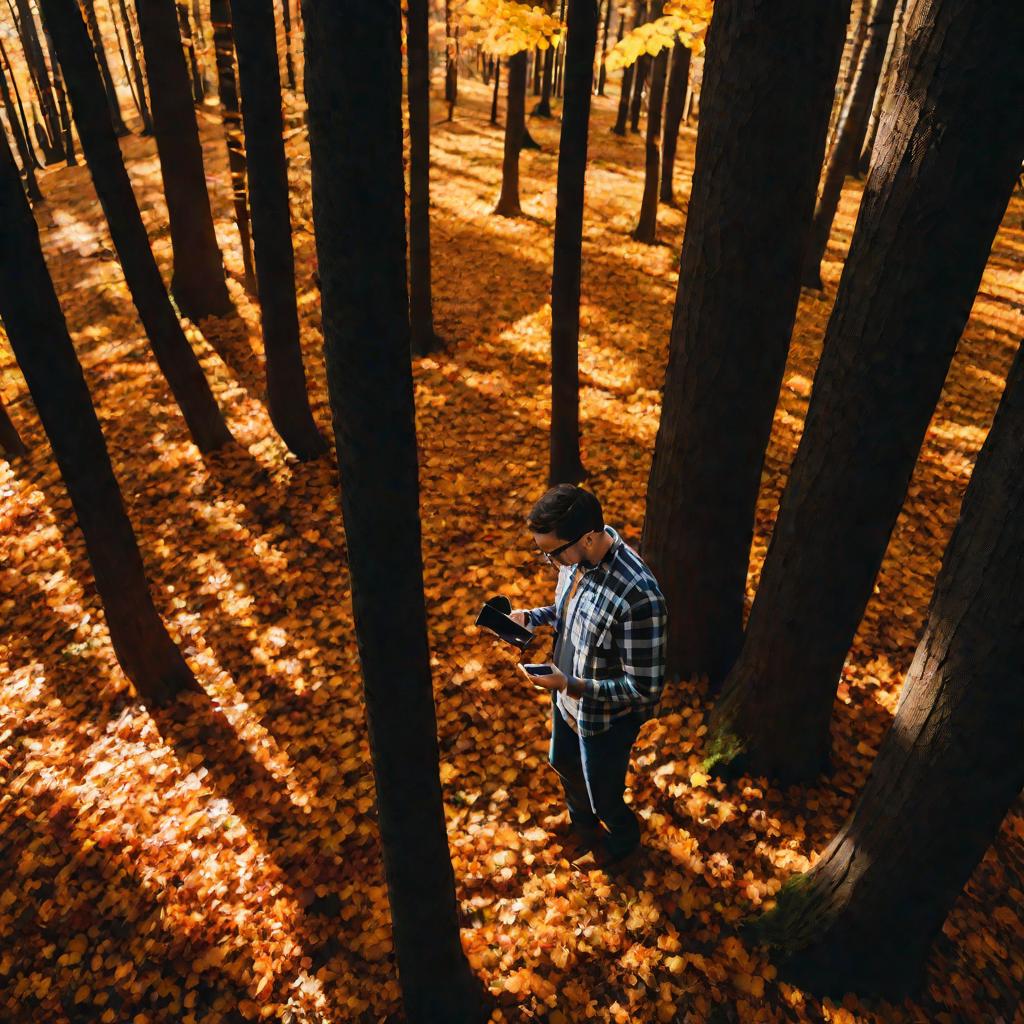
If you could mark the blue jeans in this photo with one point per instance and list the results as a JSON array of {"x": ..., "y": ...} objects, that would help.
[{"x": 593, "y": 774}]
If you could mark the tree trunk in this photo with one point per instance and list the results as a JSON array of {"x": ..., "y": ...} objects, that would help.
[
  {"x": 860, "y": 11},
  {"x": 534, "y": 70},
  {"x": 849, "y": 135},
  {"x": 421, "y": 306},
  {"x": 647, "y": 224},
  {"x": 451, "y": 66},
  {"x": 193, "y": 71},
  {"x": 39, "y": 337},
  {"x": 260, "y": 81},
  {"x": 727, "y": 354},
  {"x": 566, "y": 465},
  {"x": 289, "y": 60},
  {"x": 625, "y": 91},
  {"x": 62, "y": 104},
  {"x": 23, "y": 146},
  {"x": 197, "y": 283},
  {"x": 494, "y": 96},
  {"x": 124, "y": 66},
  {"x": 140, "y": 80},
  {"x": 675, "y": 98},
  {"x": 864, "y": 917},
  {"x": 40, "y": 79},
  {"x": 602, "y": 73},
  {"x": 543, "y": 107},
  {"x": 884, "y": 88},
  {"x": 640, "y": 76},
  {"x": 11, "y": 444},
  {"x": 227, "y": 90},
  {"x": 508, "y": 201},
  {"x": 353, "y": 47},
  {"x": 175, "y": 357},
  {"x": 25, "y": 132},
  {"x": 951, "y": 154},
  {"x": 109, "y": 89}
]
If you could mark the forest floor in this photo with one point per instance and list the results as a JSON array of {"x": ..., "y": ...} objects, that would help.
[{"x": 220, "y": 861}]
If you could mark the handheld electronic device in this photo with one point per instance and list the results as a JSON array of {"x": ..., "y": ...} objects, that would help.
[{"x": 536, "y": 670}]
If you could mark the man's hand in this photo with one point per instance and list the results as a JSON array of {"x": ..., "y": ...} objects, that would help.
[{"x": 555, "y": 681}]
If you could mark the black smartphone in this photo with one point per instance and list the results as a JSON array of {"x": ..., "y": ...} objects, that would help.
[{"x": 537, "y": 670}]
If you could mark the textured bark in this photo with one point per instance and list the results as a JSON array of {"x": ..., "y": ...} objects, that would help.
[
  {"x": 227, "y": 91},
  {"x": 89, "y": 7},
  {"x": 354, "y": 91},
  {"x": 175, "y": 357},
  {"x": 195, "y": 73},
  {"x": 494, "y": 95},
  {"x": 745, "y": 235},
  {"x": 260, "y": 81},
  {"x": 952, "y": 143},
  {"x": 140, "y": 79},
  {"x": 11, "y": 444},
  {"x": 48, "y": 133},
  {"x": 892, "y": 51},
  {"x": 949, "y": 769},
  {"x": 39, "y": 337},
  {"x": 602, "y": 72},
  {"x": 849, "y": 135},
  {"x": 566, "y": 465},
  {"x": 647, "y": 224},
  {"x": 675, "y": 99},
  {"x": 22, "y": 144},
  {"x": 197, "y": 283},
  {"x": 421, "y": 305},
  {"x": 857, "y": 32},
  {"x": 515, "y": 122}
]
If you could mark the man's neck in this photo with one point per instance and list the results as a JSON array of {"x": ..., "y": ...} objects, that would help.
[{"x": 601, "y": 549}]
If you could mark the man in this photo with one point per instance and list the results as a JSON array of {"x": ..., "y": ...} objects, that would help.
[{"x": 608, "y": 666}]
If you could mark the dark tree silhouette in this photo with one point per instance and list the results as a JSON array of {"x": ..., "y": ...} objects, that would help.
[
  {"x": 140, "y": 79},
  {"x": 566, "y": 465},
  {"x": 602, "y": 73},
  {"x": 62, "y": 104},
  {"x": 260, "y": 81},
  {"x": 494, "y": 96},
  {"x": 11, "y": 444},
  {"x": 42, "y": 346},
  {"x": 48, "y": 133},
  {"x": 89, "y": 7},
  {"x": 647, "y": 224},
  {"x": 950, "y": 151},
  {"x": 195, "y": 73},
  {"x": 675, "y": 99},
  {"x": 22, "y": 144},
  {"x": 175, "y": 357},
  {"x": 515, "y": 125},
  {"x": 353, "y": 48}
]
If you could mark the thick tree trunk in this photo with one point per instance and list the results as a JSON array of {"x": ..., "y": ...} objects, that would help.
[
  {"x": 175, "y": 357},
  {"x": 508, "y": 201},
  {"x": 849, "y": 135},
  {"x": 864, "y": 917},
  {"x": 421, "y": 305},
  {"x": 647, "y": 224},
  {"x": 48, "y": 134},
  {"x": 745, "y": 235},
  {"x": 953, "y": 139},
  {"x": 39, "y": 337},
  {"x": 602, "y": 73},
  {"x": 260, "y": 81},
  {"x": 140, "y": 78},
  {"x": 197, "y": 283},
  {"x": 353, "y": 47},
  {"x": 194, "y": 72},
  {"x": 109, "y": 89},
  {"x": 227, "y": 90},
  {"x": 494, "y": 95},
  {"x": 11, "y": 444},
  {"x": 675, "y": 98},
  {"x": 566, "y": 465},
  {"x": 24, "y": 148}
]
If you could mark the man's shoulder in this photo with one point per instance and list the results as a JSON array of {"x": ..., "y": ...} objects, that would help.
[{"x": 630, "y": 577}]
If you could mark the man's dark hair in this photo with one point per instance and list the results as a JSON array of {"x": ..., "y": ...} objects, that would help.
[{"x": 567, "y": 511}]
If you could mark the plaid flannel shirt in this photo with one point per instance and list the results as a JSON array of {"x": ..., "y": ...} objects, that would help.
[{"x": 618, "y": 631}]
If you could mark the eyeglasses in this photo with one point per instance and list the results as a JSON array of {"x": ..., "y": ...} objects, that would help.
[{"x": 552, "y": 555}]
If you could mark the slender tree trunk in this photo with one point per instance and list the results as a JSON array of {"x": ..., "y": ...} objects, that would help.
[
  {"x": 487, "y": 63},
  {"x": 849, "y": 134},
  {"x": 260, "y": 82},
  {"x": 602, "y": 73},
  {"x": 353, "y": 47},
  {"x": 451, "y": 65},
  {"x": 421, "y": 306},
  {"x": 559, "y": 57},
  {"x": 227, "y": 89},
  {"x": 39, "y": 76},
  {"x": 647, "y": 224},
  {"x": 640, "y": 76},
  {"x": 289, "y": 61},
  {"x": 124, "y": 64},
  {"x": 494, "y": 97},
  {"x": 39, "y": 337},
  {"x": 175, "y": 357},
  {"x": 20, "y": 141},
  {"x": 860, "y": 12},
  {"x": 11, "y": 444},
  {"x": 952, "y": 149},
  {"x": 863, "y": 919},
  {"x": 543, "y": 107},
  {"x": 193, "y": 72},
  {"x": 625, "y": 91},
  {"x": 25, "y": 131},
  {"x": 884, "y": 87},
  {"x": 140, "y": 80},
  {"x": 198, "y": 283},
  {"x": 62, "y": 104},
  {"x": 675, "y": 99},
  {"x": 89, "y": 7},
  {"x": 508, "y": 201},
  {"x": 727, "y": 354},
  {"x": 566, "y": 465}
]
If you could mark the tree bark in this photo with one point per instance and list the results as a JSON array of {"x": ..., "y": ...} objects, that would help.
[
  {"x": 849, "y": 134},
  {"x": 353, "y": 48},
  {"x": 508, "y": 201},
  {"x": 675, "y": 98},
  {"x": 289, "y": 60},
  {"x": 494, "y": 96},
  {"x": 39, "y": 76},
  {"x": 421, "y": 305},
  {"x": 39, "y": 337},
  {"x": 932, "y": 203},
  {"x": 175, "y": 357},
  {"x": 640, "y": 76},
  {"x": 566, "y": 465},
  {"x": 543, "y": 107},
  {"x": 260, "y": 81},
  {"x": 864, "y": 917},
  {"x": 647, "y": 224},
  {"x": 23, "y": 146},
  {"x": 227, "y": 91},
  {"x": 62, "y": 104},
  {"x": 11, "y": 444},
  {"x": 25, "y": 132},
  {"x": 860, "y": 10},
  {"x": 745, "y": 235},
  {"x": 602, "y": 73},
  {"x": 197, "y": 283},
  {"x": 625, "y": 84},
  {"x": 185, "y": 41},
  {"x": 884, "y": 87},
  {"x": 109, "y": 89},
  {"x": 451, "y": 66},
  {"x": 140, "y": 79}
]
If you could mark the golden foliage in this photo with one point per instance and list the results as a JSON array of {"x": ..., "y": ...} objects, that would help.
[
  {"x": 685, "y": 20},
  {"x": 504, "y": 27}
]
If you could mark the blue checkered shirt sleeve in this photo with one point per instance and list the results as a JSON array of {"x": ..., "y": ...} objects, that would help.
[{"x": 639, "y": 637}]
